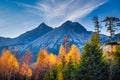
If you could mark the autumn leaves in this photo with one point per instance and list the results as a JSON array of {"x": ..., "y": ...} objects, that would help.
[{"x": 11, "y": 67}]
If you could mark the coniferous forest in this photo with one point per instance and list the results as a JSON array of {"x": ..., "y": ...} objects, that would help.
[{"x": 94, "y": 62}]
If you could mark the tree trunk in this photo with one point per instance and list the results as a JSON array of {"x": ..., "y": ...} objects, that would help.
[
  {"x": 9, "y": 76},
  {"x": 26, "y": 77}
]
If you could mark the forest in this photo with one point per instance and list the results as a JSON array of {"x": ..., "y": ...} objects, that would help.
[{"x": 92, "y": 63}]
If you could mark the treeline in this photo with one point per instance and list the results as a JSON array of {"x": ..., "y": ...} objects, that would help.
[
  {"x": 91, "y": 65},
  {"x": 13, "y": 68}
]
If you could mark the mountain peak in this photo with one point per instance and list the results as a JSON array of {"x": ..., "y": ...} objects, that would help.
[
  {"x": 74, "y": 26},
  {"x": 68, "y": 22},
  {"x": 43, "y": 25}
]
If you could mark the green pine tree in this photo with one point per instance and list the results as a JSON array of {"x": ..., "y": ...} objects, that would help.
[
  {"x": 68, "y": 73},
  {"x": 92, "y": 65},
  {"x": 112, "y": 24},
  {"x": 51, "y": 74}
]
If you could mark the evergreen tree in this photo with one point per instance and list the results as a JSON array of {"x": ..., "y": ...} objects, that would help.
[
  {"x": 111, "y": 24},
  {"x": 51, "y": 74},
  {"x": 92, "y": 65},
  {"x": 97, "y": 25},
  {"x": 68, "y": 73}
]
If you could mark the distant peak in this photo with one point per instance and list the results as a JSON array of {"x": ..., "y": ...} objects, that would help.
[
  {"x": 43, "y": 24},
  {"x": 67, "y": 22},
  {"x": 69, "y": 25}
]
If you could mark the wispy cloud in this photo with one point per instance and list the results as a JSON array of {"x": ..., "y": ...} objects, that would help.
[{"x": 55, "y": 12}]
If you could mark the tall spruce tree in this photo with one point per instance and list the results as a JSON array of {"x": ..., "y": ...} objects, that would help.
[
  {"x": 97, "y": 25},
  {"x": 112, "y": 24},
  {"x": 92, "y": 65},
  {"x": 68, "y": 73},
  {"x": 51, "y": 74}
]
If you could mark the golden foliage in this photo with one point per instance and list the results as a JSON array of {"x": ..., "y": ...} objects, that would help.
[
  {"x": 74, "y": 53},
  {"x": 25, "y": 70},
  {"x": 13, "y": 64},
  {"x": 42, "y": 56},
  {"x": 52, "y": 59},
  {"x": 9, "y": 63},
  {"x": 62, "y": 51}
]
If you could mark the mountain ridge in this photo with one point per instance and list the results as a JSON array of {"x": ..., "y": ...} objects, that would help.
[
  {"x": 30, "y": 35},
  {"x": 52, "y": 38}
]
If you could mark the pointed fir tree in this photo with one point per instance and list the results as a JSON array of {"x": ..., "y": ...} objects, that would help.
[
  {"x": 97, "y": 25},
  {"x": 92, "y": 65},
  {"x": 68, "y": 73},
  {"x": 112, "y": 24},
  {"x": 51, "y": 74}
]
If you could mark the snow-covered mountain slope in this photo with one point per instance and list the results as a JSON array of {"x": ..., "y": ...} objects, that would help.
[
  {"x": 26, "y": 37},
  {"x": 32, "y": 34},
  {"x": 52, "y": 40}
]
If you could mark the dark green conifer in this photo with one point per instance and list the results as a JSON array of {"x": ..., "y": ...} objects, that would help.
[{"x": 92, "y": 65}]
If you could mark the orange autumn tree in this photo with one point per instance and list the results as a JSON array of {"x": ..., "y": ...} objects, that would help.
[
  {"x": 28, "y": 57},
  {"x": 13, "y": 65},
  {"x": 42, "y": 56},
  {"x": 25, "y": 69},
  {"x": 41, "y": 64},
  {"x": 9, "y": 64},
  {"x": 4, "y": 57}
]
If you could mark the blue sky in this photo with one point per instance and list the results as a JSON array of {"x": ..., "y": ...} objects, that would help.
[{"x": 19, "y": 16}]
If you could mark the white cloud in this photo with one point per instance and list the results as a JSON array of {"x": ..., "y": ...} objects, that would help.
[{"x": 55, "y": 12}]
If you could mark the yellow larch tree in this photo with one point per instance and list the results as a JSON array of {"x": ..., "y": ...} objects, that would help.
[
  {"x": 52, "y": 60},
  {"x": 41, "y": 64},
  {"x": 74, "y": 53},
  {"x": 13, "y": 65},
  {"x": 62, "y": 53}
]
